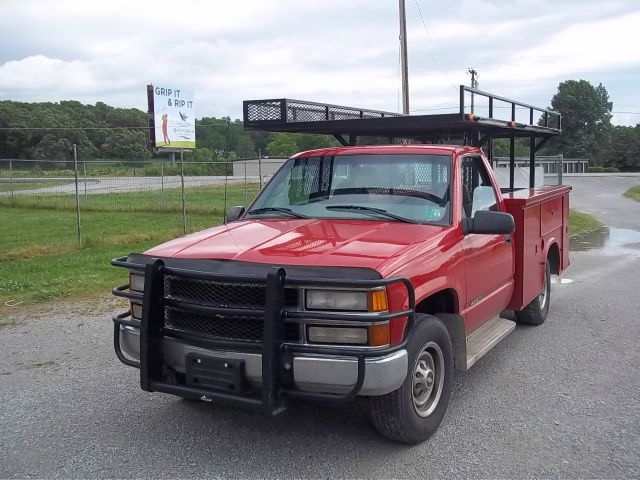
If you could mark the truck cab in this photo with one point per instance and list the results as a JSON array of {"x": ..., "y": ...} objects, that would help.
[{"x": 358, "y": 271}]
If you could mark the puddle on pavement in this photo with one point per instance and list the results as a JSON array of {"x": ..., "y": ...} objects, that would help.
[
  {"x": 611, "y": 241},
  {"x": 555, "y": 280}
]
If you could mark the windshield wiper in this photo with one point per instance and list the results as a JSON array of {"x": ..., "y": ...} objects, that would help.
[
  {"x": 377, "y": 211},
  {"x": 288, "y": 211}
]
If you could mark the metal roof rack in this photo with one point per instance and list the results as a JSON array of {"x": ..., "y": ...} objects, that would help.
[{"x": 466, "y": 126}]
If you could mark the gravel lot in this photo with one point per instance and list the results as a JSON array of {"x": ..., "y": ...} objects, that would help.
[{"x": 559, "y": 400}]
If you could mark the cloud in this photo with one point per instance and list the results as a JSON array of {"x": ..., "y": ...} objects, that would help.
[{"x": 330, "y": 50}]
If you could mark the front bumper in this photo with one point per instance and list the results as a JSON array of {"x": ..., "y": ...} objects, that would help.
[
  {"x": 258, "y": 375},
  {"x": 311, "y": 372}
]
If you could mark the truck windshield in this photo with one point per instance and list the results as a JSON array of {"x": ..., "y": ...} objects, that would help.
[{"x": 409, "y": 188}]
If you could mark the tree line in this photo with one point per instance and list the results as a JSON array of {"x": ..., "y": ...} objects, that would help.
[
  {"x": 46, "y": 131},
  {"x": 587, "y": 131}
]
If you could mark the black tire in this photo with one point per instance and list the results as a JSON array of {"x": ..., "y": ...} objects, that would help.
[
  {"x": 536, "y": 312},
  {"x": 395, "y": 415}
]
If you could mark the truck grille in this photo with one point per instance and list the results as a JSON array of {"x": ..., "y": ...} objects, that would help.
[
  {"x": 229, "y": 327},
  {"x": 223, "y": 295}
]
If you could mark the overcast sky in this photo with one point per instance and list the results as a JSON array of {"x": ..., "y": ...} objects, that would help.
[{"x": 343, "y": 52}]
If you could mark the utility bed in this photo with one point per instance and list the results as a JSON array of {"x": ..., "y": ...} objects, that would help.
[{"x": 542, "y": 218}]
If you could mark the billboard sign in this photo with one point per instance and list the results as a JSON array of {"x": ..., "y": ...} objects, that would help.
[{"x": 171, "y": 117}]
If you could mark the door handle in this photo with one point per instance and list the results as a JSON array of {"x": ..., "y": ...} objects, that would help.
[{"x": 507, "y": 239}]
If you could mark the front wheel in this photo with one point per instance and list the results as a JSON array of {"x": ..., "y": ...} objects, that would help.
[
  {"x": 536, "y": 312},
  {"x": 413, "y": 413}
]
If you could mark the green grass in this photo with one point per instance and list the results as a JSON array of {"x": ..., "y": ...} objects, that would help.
[
  {"x": 15, "y": 186},
  {"x": 80, "y": 273},
  {"x": 47, "y": 223},
  {"x": 39, "y": 255},
  {"x": 633, "y": 193},
  {"x": 580, "y": 223}
]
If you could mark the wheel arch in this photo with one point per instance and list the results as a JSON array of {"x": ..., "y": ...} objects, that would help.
[
  {"x": 553, "y": 255},
  {"x": 444, "y": 305},
  {"x": 445, "y": 301}
]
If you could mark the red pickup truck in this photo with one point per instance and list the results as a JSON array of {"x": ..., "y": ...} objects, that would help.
[{"x": 387, "y": 269}]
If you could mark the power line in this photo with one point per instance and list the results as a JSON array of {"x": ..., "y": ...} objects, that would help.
[{"x": 435, "y": 48}]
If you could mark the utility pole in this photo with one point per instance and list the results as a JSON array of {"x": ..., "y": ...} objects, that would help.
[
  {"x": 403, "y": 59},
  {"x": 474, "y": 83}
]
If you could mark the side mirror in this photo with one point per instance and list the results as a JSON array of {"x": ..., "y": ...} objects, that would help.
[
  {"x": 489, "y": 222},
  {"x": 235, "y": 213}
]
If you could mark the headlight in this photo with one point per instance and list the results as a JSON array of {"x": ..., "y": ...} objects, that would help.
[
  {"x": 347, "y": 300},
  {"x": 136, "y": 282},
  {"x": 337, "y": 300},
  {"x": 373, "y": 335},
  {"x": 337, "y": 335},
  {"x": 136, "y": 310}
]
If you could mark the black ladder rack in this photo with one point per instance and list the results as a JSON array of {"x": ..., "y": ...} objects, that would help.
[{"x": 349, "y": 124}]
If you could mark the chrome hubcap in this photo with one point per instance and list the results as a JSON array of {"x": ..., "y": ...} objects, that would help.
[{"x": 428, "y": 378}]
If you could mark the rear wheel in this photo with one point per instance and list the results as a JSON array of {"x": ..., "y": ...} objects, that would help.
[
  {"x": 536, "y": 312},
  {"x": 413, "y": 413}
]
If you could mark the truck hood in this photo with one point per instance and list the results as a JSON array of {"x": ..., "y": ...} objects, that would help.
[{"x": 309, "y": 242}]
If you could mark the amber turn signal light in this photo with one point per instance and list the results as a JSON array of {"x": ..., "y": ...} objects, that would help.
[
  {"x": 379, "y": 335},
  {"x": 378, "y": 301}
]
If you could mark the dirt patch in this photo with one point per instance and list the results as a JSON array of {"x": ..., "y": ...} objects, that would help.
[{"x": 11, "y": 315}]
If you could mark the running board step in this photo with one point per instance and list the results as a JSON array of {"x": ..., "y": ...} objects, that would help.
[{"x": 486, "y": 337}]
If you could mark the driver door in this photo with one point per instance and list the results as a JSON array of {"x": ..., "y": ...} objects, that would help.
[{"x": 488, "y": 259}]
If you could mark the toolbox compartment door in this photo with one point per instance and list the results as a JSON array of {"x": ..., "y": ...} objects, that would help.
[{"x": 542, "y": 220}]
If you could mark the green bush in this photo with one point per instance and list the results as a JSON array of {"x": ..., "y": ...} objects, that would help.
[
  {"x": 120, "y": 171},
  {"x": 153, "y": 170},
  {"x": 611, "y": 170},
  {"x": 596, "y": 169}
]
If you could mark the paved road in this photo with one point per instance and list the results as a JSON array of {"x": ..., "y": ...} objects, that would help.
[
  {"x": 560, "y": 400},
  {"x": 600, "y": 195},
  {"x": 121, "y": 184}
]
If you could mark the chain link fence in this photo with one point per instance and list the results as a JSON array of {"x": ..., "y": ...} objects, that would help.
[
  {"x": 49, "y": 207},
  {"x": 549, "y": 169},
  {"x": 53, "y": 207}
]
